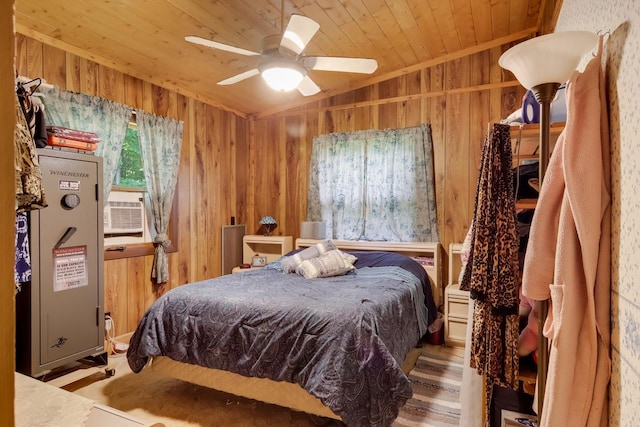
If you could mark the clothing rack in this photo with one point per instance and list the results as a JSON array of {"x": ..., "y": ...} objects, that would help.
[{"x": 543, "y": 154}]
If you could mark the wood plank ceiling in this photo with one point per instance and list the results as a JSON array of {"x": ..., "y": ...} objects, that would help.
[{"x": 145, "y": 38}]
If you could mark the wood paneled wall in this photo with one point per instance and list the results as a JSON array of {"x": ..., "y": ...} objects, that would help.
[
  {"x": 458, "y": 99},
  {"x": 213, "y": 166},
  {"x": 256, "y": 166}
]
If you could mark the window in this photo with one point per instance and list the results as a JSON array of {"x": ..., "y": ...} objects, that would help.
[
  {"x": 126, "y": 224},
  {"x": 130, "y": 173},
  {"x": 108, "y": 119},
  {"x": 125, "y": 219},
  {"x": 374, "y": 185}
]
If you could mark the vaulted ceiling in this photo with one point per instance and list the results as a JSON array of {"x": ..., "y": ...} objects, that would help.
[{"x": 145, "y": 38}]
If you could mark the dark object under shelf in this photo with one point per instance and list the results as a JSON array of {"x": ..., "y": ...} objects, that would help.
[{"x": 510, "y": 400}]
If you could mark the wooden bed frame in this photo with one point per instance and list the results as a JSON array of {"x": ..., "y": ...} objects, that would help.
[{"x": 290, "y": 395}]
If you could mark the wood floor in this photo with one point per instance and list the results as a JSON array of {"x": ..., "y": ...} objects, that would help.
[
  {"x": 175, "y": 403},
  {"x": 449, "y": 351}
]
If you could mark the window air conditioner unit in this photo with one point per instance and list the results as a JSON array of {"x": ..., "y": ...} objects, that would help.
[{"x": 123, "y": 217}]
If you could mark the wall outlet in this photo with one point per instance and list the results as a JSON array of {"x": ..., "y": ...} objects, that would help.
[{"x": 108, "y": 324}]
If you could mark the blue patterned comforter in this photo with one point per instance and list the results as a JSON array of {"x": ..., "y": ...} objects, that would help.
[{"x": 343, "y": 339}]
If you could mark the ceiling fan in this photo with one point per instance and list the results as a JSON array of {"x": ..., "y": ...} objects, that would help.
[{"x": 283, "y": 64}]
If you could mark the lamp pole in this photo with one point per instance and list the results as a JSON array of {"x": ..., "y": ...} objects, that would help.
[
  {"x": 535, "y": 62},
  {"x": 544, "y": 94}
]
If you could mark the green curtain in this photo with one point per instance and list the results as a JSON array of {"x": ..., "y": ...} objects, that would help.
[
  {"x": 160, "y": 144},
  {"x": 374, "y": 185},
  {"x": 108, "y": 119}
]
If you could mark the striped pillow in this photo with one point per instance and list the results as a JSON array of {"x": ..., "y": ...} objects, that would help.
[
  {"x": 290, "y": 263},
  {"x": 331, "y": 263}
]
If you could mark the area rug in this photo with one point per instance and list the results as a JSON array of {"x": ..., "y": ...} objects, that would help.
[{"x": 435, "y": 380}]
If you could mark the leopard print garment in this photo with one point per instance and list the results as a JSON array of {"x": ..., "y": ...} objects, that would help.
[
  {"x": 492, "y": 274},
  {"x": 28, "y": 177}
]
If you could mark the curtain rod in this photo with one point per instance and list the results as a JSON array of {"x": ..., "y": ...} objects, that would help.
[{"x": 43, "y": 82}]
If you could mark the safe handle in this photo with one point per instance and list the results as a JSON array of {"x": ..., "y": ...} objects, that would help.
[{"x": 67, "y": 234}]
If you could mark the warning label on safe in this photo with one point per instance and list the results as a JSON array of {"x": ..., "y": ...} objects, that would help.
[{"x": 69, "y": 268}]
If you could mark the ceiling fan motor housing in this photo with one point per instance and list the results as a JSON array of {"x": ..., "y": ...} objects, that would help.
[
  {"x": 282, "y": 63},
  {"x": 271, "y": 44}
]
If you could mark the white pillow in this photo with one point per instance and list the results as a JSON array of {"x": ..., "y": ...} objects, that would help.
[
  {"x": 331, "y": 263},
  {"x": 290, "y": 263}
]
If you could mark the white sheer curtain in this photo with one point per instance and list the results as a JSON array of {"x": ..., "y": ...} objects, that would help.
[
  {"x": 374, "y": 185},
  {"x": 337, "y": 184},
  {"x": 108, "y": 119},
  {"x": 160, "y": 143},
  {"x": 400, "y": 196}
]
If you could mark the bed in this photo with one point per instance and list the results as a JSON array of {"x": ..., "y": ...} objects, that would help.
[{"x": 327, "y": 346}]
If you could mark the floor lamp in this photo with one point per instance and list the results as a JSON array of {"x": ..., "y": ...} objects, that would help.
[{"x": 542, "y": 64}]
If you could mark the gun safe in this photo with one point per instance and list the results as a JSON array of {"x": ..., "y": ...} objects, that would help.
[{"x": 60, "y": 313}]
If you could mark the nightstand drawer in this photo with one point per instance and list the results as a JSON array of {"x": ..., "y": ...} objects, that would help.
[
  {"x": 455, "y": 331},
  {"x": 456, "y": 314},
  {"x": 458, "y": 308}
]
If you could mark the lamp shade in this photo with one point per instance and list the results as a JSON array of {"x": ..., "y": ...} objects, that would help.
[
  {"x": 268, "y": 220},
  {"x": 282, "y": 76},
  {"x": 548, "y": 59},
  {"x": 313, "y": 230},
  {"x": 269, "y": 223}
]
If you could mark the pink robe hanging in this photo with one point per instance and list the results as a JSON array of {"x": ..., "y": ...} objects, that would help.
[{"x": 568, "y": 258}]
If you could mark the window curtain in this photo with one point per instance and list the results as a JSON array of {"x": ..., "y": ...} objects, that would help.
[
  {"x": 108, "y": 119},
  {"x": 336, "y": 184},
  {"x": 160, "y": 143},
  {"x": 374, "y": 185}
]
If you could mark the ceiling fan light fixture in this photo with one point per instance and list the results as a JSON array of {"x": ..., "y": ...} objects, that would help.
[
  {"x": 283, "y": 76},
  {"x": 283, "y": 64}
]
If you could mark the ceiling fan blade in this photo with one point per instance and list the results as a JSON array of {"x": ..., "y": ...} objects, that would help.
[
  {"x": 239, "y": 77},
  {"x": 336, "y": 63},
  {"x": 299, "y": 32},
  {"x": 307, "y": 87},
  {"x": 221, "y": 46}
]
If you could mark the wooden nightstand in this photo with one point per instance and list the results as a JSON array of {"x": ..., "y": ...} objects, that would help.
[
  {"x": 456, "y": 302},
  {"x": 271, "y": 247},
  {"x": 456, "y": 313}
]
